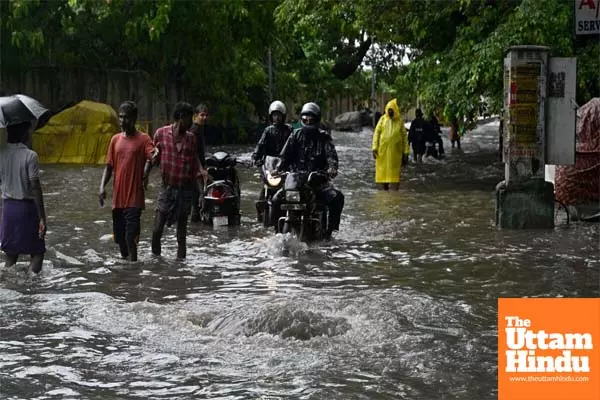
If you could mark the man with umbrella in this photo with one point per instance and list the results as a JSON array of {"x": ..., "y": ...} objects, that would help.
[{"x": 23, "y": 223}]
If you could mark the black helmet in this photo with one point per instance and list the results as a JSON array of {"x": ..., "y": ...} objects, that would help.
[{"x": 311, "y": 109}]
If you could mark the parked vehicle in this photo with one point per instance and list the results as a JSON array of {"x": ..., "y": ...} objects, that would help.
[{"x": 221, "y": 205}]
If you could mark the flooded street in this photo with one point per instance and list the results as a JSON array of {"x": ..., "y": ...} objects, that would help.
[{"x": 400, "y": 305}]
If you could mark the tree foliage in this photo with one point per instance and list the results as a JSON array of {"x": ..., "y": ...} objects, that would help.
[
  {"x": 448, "y": 54},
  {"x": 216, "y": 49},
  {"x": 445, "y": 55}
]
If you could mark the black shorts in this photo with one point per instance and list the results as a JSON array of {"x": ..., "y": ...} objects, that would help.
[{"x": 126, "y": 224}]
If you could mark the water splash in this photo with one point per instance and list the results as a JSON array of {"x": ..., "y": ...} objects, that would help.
[
  {"x": 290, "y": 321},
  {"x": 286, "y": 244}
]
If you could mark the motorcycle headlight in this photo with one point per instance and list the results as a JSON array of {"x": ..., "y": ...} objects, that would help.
[
  {"x": 292, "y": 196},
  {"x": 273, "y": 181}
]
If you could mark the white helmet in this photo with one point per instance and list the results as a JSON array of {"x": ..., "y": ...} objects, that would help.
[
  {"x": 277, "y": 106},
  {"x": 311, "y": 109}
]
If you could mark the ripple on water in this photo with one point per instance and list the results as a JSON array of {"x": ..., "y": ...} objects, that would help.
[
  {"x": 401, "y": 304},
  {"x": 8, "y": 295},
  {"x": 215, "y": 345}
]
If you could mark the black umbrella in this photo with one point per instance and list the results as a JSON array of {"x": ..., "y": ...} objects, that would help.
[{"x": 20, "y": 108}]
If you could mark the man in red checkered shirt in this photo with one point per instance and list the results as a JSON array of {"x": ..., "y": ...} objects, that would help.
[{"x": 181, "y": 174}]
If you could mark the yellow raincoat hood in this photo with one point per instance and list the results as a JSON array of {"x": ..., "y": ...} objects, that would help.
[{"x": 393, "y": 104}]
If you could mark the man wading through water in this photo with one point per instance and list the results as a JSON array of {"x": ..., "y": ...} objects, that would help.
[
  {"x": 418, "y": 134},
  {"x": 181, "y": 173},
  {"x": 127, "y": 154},
  {"x": 23, "y": 226}
]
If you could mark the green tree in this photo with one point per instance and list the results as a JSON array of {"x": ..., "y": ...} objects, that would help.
[
  {"x": 446, "y": 55},
  {"x": 455, "y": 48},
  {"x": 215, "y": 50}
]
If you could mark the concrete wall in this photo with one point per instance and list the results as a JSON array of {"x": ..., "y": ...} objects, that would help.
[{"x": 58, "y": 88}]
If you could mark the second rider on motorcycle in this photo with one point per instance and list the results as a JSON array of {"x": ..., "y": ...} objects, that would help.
[
  {"x": 270, "y": 144},
  {"x": 311, "y": 149}
]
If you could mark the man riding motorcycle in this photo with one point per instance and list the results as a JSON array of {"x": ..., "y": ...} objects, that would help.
[
  {"x": 311, "y": 149},
  {"x": 271, "y": 142}
]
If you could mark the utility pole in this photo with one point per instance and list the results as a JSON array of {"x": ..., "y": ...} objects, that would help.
[
  {"x": 372, "y": 105},
  {"x": 1, "y": 88},
  {"x": 270, "y": 61},
  {"x": 418, "y": 102}
]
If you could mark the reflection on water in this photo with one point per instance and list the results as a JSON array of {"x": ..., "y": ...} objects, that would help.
[{"x": 401, "y": 304}]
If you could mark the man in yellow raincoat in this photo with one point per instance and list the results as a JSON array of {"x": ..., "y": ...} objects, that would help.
[{"x": 390, "y": 147}]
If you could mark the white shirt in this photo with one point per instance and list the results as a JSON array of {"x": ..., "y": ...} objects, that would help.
[{"x": 19, "y": 166}]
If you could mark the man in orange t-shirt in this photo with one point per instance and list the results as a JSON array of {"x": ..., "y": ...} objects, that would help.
[{"x": 127, "y": 155}]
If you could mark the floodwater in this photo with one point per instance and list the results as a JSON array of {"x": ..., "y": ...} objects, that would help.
[{"x": 400, "y": 305}]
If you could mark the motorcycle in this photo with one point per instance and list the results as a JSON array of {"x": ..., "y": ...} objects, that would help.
[
  {"x": 221, "y": 205},
  {"x": 304, "y": 215},
  {"x": 271, "y": 184}
]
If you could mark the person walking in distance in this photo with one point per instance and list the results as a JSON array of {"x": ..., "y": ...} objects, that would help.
[
  {"x": 454, "y": 133},
  {"x": 418, "y": 133}
]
